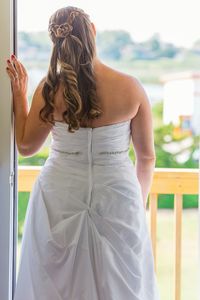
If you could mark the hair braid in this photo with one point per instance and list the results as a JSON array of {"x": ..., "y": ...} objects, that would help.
[{"x": 71, "y": 63}]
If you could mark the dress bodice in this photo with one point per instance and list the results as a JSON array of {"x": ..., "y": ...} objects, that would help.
[{"x": 104, "y": 143}]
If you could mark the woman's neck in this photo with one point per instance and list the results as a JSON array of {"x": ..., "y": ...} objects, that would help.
[{"x": 97, "y": 64}]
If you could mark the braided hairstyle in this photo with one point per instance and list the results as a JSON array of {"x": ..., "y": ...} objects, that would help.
[{"x": 71, "y": 64}]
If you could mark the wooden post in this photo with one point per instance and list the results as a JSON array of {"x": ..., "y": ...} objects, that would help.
[
  {"x": 178, "y": 232},
  {"x": 153, "y": 204}
]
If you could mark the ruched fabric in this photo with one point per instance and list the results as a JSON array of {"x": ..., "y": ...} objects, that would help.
[{"x": 85, "y": 233}]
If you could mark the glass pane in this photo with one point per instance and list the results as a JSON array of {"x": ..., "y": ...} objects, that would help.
[{"x": 153, "y": 42}]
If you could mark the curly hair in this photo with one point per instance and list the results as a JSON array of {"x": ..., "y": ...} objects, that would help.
[{"x": 71, "y": 64}]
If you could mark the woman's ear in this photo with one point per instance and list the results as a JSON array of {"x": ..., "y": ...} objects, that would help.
[{"x": 93, "y": 28}]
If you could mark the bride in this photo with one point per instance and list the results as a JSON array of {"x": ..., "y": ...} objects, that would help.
[{"x": 85, "y": 233}]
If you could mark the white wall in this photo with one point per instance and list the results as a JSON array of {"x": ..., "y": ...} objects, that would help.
[{"x": 178, "y": 100}]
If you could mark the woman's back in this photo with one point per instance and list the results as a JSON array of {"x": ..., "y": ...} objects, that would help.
[{"x": 115, "y": 94}]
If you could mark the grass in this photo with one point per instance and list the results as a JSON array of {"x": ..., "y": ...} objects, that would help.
[{"x": 165, "y": 253}]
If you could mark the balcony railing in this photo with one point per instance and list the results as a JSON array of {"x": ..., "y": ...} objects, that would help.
[{"x": 178, "y": 182}]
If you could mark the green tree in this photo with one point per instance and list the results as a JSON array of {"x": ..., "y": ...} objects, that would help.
[{"x": 110, "y": 43}]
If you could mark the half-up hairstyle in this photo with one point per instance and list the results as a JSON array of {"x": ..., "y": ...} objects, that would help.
[{"x": 71, "y": 64}]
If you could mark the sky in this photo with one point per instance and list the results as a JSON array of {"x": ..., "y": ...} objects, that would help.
[{"x": 177, "y": 21}]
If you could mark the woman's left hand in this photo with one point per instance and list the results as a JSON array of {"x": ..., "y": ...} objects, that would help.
[{"x": 18, "y": 77}]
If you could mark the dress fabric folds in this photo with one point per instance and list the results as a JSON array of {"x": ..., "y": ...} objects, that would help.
[{"x": 85, "y": 233}]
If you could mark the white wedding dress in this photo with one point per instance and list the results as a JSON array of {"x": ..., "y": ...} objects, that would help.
[{"x": 85, "y": 235}]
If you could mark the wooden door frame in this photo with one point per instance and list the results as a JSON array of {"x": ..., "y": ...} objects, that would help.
[{"x": 8, "y": 156}]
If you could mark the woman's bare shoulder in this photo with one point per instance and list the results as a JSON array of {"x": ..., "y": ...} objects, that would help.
[
  {"x": 40, "y": 85},
  {"x": 38, "y": 93},
  {"x": 38, "y": 101},
  {"x": 128, "y": 82}
]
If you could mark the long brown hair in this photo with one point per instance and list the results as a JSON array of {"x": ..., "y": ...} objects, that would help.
[{"x": 71, "y": 64}]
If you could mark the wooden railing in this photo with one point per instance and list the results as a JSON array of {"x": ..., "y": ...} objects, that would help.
[
  {"x": 178, "y": 182},
  {"x": 165, "y": 181}
]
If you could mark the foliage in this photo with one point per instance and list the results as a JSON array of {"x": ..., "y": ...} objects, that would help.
[
  {"x": 39, "y": 40},
  {"x": 166, "y": 159},
  {"x": 35, "y": 160},
  {"x": 23, "y": 199},
  {"x": 110, "y": 44}
]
